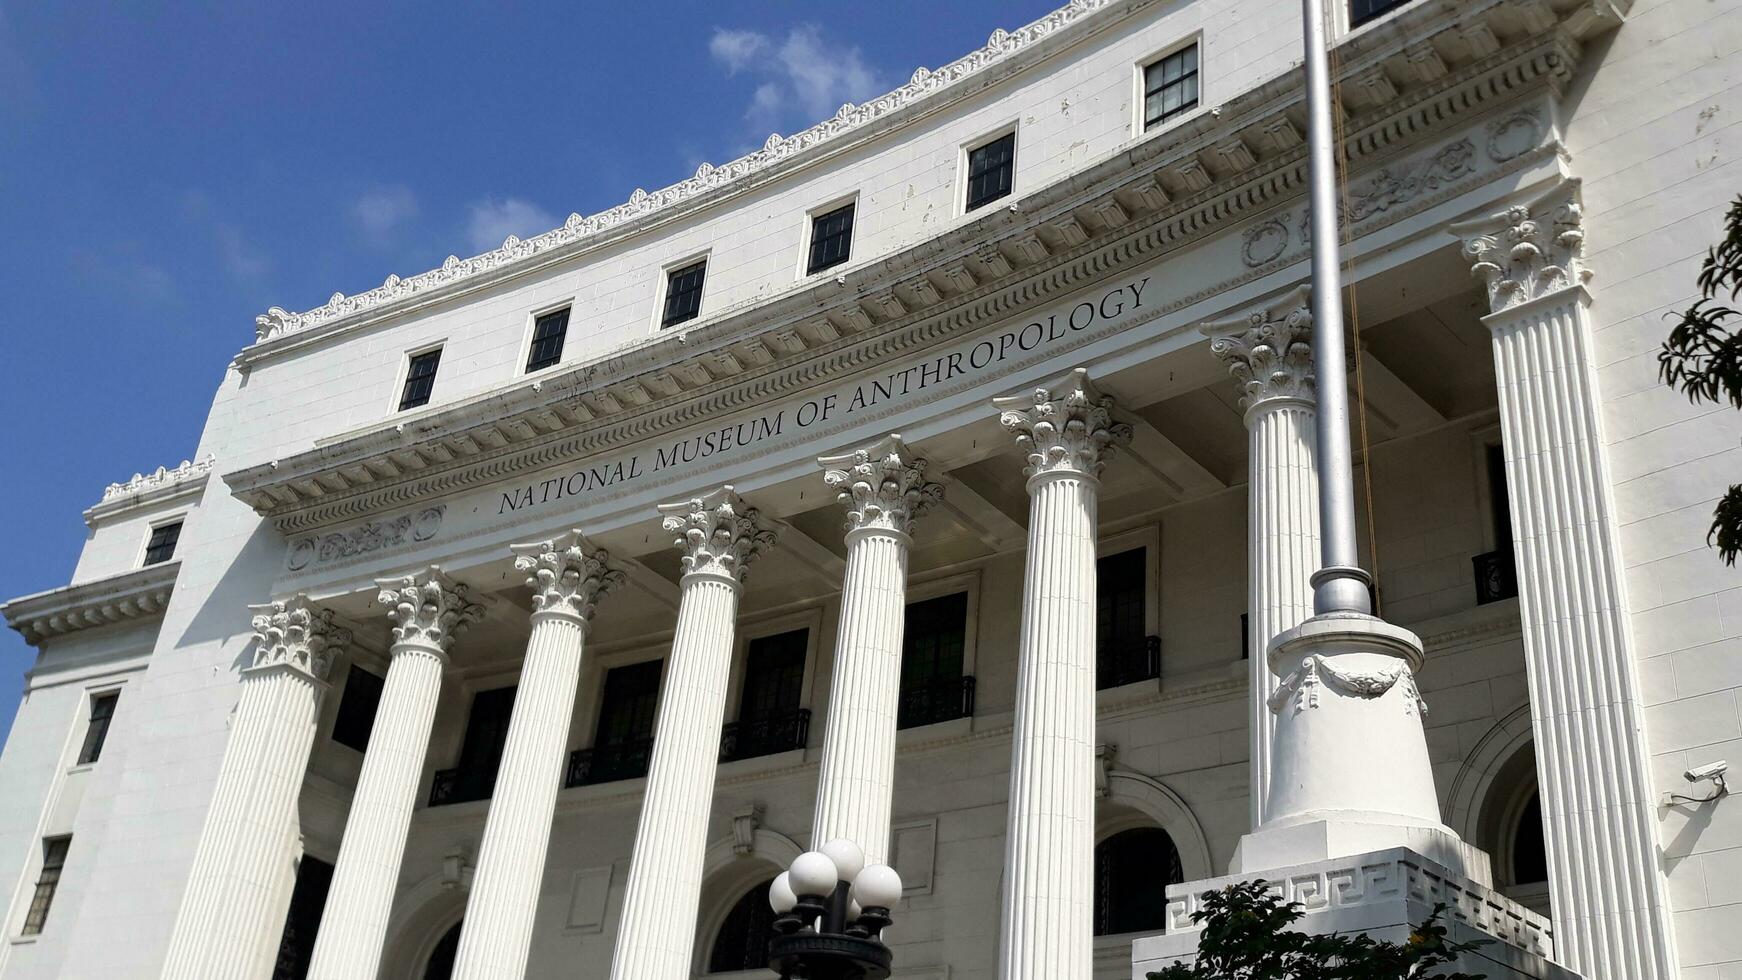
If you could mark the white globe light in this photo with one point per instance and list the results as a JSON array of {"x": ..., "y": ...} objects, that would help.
[
  {"x": 849, "y": 859},
  {"x": 813, "y": 874},
  {"x": 780, "y": 896},
  {"x": 877, "y": 886},
  {"x": 853, "y": 910}
]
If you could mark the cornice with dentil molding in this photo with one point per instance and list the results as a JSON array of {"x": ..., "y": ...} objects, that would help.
[
  {"x": 298, "y": 634},
  {"x": 568, "y": 574},
  {"x": 882, "y": 485},
  {"x": 1528, "y": 250},
  {"x": 428, "y": 609},
  {"x": 718, "y": 533},
  {"x": 1269, "y": 350},
  {"x": 1066, "y": 426}
]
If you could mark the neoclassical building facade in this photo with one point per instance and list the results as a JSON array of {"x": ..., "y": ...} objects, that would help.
[{"x": 937, "y": 478}]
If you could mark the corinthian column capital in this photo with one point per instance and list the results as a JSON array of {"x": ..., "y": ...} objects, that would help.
[
  {"x": 718, "y": 533},
  {"x": 298, "y": 634},
  {"x": 1268, "y": 350},
  {"x": 883, "y": 485},
  {"x": 428, "y": 609},
  {"x": 568, "y": 575},
  {"x": 1528, "y": 250},
  {"x": 1066, "y": 426}
]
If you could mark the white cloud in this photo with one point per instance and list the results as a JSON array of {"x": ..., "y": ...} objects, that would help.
[
  {"x": 382, "y": 210},
  {"x": 237, "y": 251},
  {"x": 490, "y": 221},
  {"x": 805, "y": 78}
]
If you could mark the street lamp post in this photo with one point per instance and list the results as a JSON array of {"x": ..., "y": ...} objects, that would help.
[{"x": 833, "y": 908}]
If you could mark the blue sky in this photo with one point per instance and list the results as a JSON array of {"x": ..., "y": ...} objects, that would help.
[{"x": 170, "y": 170}]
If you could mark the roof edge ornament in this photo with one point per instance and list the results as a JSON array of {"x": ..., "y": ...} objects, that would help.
[
  {"x": 163, "y": 476},
  {"x": 277, "y": 322}
]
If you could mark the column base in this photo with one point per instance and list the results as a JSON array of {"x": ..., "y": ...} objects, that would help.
[
  {"x": 1349, "y": 834},
  {"x": 1383, "y": 894}
]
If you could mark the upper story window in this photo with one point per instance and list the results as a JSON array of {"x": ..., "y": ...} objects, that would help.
[
  {"x": 831, "y": 239},
  {"x": 623, "y": 741},
  {"x": 420, "y": 379},
  {"x": 683, "y": 293},
  {"x": 161, "y": 546},
  {"x": 1170, "y": 86},
  {"x": 769, "y": 717},
  {"x": 97, "y": 731},
  {"x": 991, "y": 167},
  {"x": 933, "y": 641},
  {"x": 1362, "y": 11},
  {"x": 356, "y": 717},
  {"x": 54, "y": 858},
  {"x": 1123, "y": 653},
  {"x": 548, "y": 333}
]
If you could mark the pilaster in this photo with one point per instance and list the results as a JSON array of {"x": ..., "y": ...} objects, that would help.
[
  {"x": 719, "y": 537},
  {"x": 1610, "y": 900},
  {"x": 884, "y": 489}
]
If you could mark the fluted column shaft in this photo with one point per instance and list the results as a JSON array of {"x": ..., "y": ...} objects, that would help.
[
  {"x": 1269, "y": 355},
  {"x": 658, "y": 930},
  {"x": 428, "y": 612},
  {"x": 228, "y": 924},
  {"x": 1049, "y": 851},
  {"x": 567, "y": 576},
  {"x": 1611, "y": 902}
]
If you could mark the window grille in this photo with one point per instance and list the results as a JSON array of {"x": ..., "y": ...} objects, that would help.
[
  {"x": 990, "y": 170},
  {"x": 161, "y": 547},
  {"x": 54, "y": 858},
  {"x": 683, "y": 294},
  {"x": 548, "y": 333},
  {"x": 1170, "y": 86},
  {"x": 831, "y": 239},
  {"x": 420, "y": 379}
]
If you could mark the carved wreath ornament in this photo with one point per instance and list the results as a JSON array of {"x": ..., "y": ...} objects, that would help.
[
  {"x": 1068, "y": 427},
  {"x": 717, "y": 534},
  {"x": 1303, "y": 684},
  {"x": 567, "y": 575},
  {"x": 297, "y": 634}
]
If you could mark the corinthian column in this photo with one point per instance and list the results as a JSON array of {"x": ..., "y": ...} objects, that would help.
[
  {"x": 428, "y": 610},
  {"x": 1068, "y": 430},
  {"x": 884, "y": 489},
  {"x": 719, "y": 537},
  {"x": 1269, "y": 355},
  {"x": 567, "y": 575},
  {"x": 229, "y": 921},
  {"x": 1611, "y": 907}
]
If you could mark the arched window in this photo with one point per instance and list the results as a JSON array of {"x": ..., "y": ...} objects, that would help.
[
  {"x": 742, "y": 942},
  {"x": 1529, "y": 854},
  {"x": 441, "y": 959},
  {"x": 1132, "y": 871}
]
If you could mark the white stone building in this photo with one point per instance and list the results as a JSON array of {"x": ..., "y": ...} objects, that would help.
[{"x": 611, "y": 762}]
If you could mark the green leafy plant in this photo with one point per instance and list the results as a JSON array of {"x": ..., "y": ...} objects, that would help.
[
  {"x": 1246, "y": 936},
  {"x": 1703, "y": 357}
]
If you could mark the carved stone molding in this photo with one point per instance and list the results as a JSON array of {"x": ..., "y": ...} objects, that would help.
[
  {"x": 1528, "y": 250},
  {"x": 1066, "y": 426},
  {"x": 1302, "y": 685},
  {"x": 744, "y": 824},
  {"x": 882, "y": 485},
  {"x": 371, "y": 536},
  {"x": 162, "y": 484},
  {"x": 137, "y": 595},
  {"x": 298, "y": 634},
  {"x": 1391, "y": 187},
  {"x": 160, "y": 477},
  {"x": 568, "y": 574},
  {"x": 428, "y": 609},
  {"x": 1268, "y": 351},
  {"x": 718, "y": 533}
]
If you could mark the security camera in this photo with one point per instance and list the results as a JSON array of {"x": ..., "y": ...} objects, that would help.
[{"x": 1711, "y": 770}]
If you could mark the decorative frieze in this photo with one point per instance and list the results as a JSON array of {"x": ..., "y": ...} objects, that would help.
[
  {"x": 568, "y": 575},
  {"x": 1269, "y": 351},
  {"x": 428, "y": 609},
  {"x": 1066, "y": 427},
  {"x": 718, "y": 534},
  {"x": 882, "y": 485},
  {"x": 298, "y": 634},
  {"x": 393, "y": 532}
]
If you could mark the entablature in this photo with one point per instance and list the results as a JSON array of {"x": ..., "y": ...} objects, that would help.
[{"x": 134, "y": 595}]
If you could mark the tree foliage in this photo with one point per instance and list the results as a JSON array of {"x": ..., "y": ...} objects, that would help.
[
  {"x": 1246, "y": 936},
  {"x": 1703, "y": 358}
]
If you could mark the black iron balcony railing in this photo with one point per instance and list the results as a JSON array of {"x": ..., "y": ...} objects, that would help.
[
  {"x": 1362, "y": 11},
  {"x": 945, "y": 699},
  {"x": 1496, "y": 576},
  {"x": 609, "y": 763},
  {"x": 748, "y": 738},
  {"x": 1118, "y": 664},
  {"x": 461, "y": 786}
]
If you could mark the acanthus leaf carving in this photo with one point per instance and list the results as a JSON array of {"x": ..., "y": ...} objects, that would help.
[
  {"x": 428, "y": 609},
  {"x": 1528, "y": 250},
  {"x": 718, "y": 533},
  {"x": 1066, "y": 427},
  {"x": 1268, "y": 351},
  {"x": 882, "y": 485},
  {"x": 298, "y": 634},
  {"x": 568, "y": 575}
]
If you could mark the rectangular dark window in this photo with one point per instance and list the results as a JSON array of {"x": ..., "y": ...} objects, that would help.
[
  {"x": 990, "y": 169},
  {"x": 161, "y": 546},
  {"x": 623, "y": 741},
  {"x": 1497, "y": 571},
  {"x": 683, "y": 294},
  {"x": 769, "y": 718},
  {"x": 54, "y": 858},
  {"x": 831, "y": 239},
  {"x": 1123, "y": 653},
  {"x": 420, "y": 379},
  {"x": 97, "y": 732},
  {"x": 296, "y": 945},
  {"x": 356, "y": 717},
  {"x": 932, "y": 642},
  {"x": 1170, "y": 86},
  {"x": 1362, "y": 11},
  {"x": 548, "y": 333}
]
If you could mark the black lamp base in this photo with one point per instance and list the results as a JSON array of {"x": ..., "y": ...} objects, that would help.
[{"x": 828, "y": 956}]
